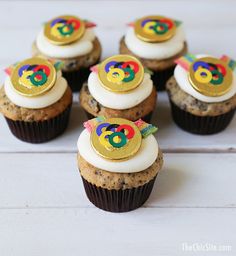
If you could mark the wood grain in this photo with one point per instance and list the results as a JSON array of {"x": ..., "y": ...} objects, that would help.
[
  {"x": 52, "y": 180},
  {"x": 94, "y": 232}
]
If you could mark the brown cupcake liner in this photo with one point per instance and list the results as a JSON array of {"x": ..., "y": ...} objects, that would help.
[
  {"x": 147, "y": 118},
  {"x": 160, "y": 78},
  {"x": 76, "y": 78},
  {"x": 118, "y": 200},
  {"x": 38, "y": 132},
  {"x": 200, "y": 124}
]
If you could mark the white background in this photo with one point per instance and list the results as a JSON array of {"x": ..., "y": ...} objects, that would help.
[{"x": 43, "y": 207}]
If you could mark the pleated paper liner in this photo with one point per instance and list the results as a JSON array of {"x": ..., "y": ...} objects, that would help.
[
  {"x": 118, "y": 200},
  {"x": 160, "y": 78},
  {"x": 200, "y": 124},
  {"x": 42, "y": 131},
  {"x": 147, "y": 118},
  {"x": 76, "y": 78}
]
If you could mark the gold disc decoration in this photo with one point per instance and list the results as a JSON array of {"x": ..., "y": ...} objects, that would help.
[
  {"x": 116, "y": 139},
  {"x": 120, "y": 73},
  {"x": 64, "y": 30},
  {"x": 33, "y": 77},
  {"x": 155, "y": 29},
  {"x": 210, "y": 76}
]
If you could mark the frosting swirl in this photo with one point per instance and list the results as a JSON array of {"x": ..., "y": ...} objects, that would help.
[
  {"x": 143, "y": 159},
  {"x": 41, "y": 101},
  {"x": 159, "y": 51},
  {"x": 80, "y": 47},
  {"x": 114, "y": 100}
]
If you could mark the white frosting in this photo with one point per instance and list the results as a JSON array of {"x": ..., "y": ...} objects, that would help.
[
  {"x": 143, "y": 159},
  {"x": 78, "y": 48},
  {"x": 41, "y": 101},
  {"x": 114, "y": 100},
  {"x": 181, "y": 76},
  {"x": 157, "y": 51}
]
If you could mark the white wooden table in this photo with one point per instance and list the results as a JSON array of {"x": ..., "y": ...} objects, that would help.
[{"x": 43, "y": 207}]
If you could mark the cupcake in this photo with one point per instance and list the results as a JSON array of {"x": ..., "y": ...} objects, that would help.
[
  {"x": 202, "y": 93},
  {"x": 118, "y": 161},
  {"x": 72, "y": 41},
  {"x": 35, "y": 100},
  {"x": 119, "y": 87},
  {"x": 157, "y": 41}
]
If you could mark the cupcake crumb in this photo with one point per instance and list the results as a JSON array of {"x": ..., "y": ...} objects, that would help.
[
  {"x": 194, "y": 106},
  {"x": 112, "y": 180}
]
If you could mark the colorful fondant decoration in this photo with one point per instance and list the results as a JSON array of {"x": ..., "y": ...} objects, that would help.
[
  {"x": 64, "y": 30},
  {"x": 33, "y": 77},
  {"x": 208, "y": 75},
  {"x": 117, "y": 138},
  {"x": 89, "y": 24},
  {"x": 155, "y": 29},
  {"x": 145, "y": 128},
  {"x": 92, "y": 123},
  {"x": 120, "y": 73}
]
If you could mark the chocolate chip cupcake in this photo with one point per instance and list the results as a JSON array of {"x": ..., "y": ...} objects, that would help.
[
  {"x": 72, "y": 41},
  {"x": 119, "y": 87},
  {"x": 118, "y": 161},
  {"x": 202, "y": 93},
  {"x": 157, "y": 41},
  {"x": 35, "y": 100}
]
